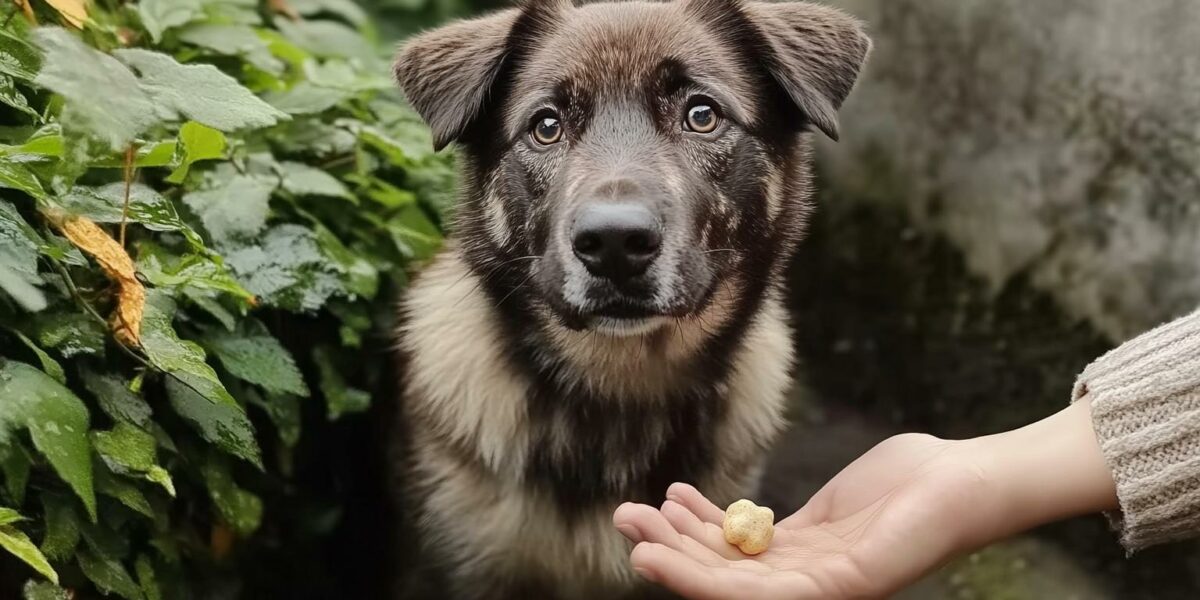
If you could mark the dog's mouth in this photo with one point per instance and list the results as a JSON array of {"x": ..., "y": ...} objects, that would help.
[{"x": 628, "y": 316}]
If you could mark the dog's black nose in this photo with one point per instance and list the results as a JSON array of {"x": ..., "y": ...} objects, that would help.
[{"x": 616, "y": 241}]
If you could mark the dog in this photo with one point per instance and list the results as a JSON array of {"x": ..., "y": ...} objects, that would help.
[{"x": 608, "y": 315}]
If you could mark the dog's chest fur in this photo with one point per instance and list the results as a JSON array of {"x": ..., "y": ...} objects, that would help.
[{"x": 517, "y": 464}]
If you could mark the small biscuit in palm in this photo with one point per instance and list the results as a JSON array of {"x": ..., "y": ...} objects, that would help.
[{"x": 749, "y": 527}]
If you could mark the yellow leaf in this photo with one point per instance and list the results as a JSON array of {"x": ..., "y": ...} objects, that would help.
[
  {"x": 126, "y": 320},
  {"x": 74, "y": 11}
]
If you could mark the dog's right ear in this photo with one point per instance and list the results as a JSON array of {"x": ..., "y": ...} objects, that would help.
[{"x": 448, "y": 72}]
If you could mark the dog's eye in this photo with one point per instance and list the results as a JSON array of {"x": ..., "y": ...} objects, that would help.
[
  {"x": 701, "y": 117},
  {"x": 546, "y": 129}
]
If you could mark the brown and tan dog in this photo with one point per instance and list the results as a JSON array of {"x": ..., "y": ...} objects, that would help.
[{"x": 607, "y": 318}]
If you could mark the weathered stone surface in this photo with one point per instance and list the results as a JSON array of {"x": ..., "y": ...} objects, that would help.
[{"x": 1058, "y": 141}]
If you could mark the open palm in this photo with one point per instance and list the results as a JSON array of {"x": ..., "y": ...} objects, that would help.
[{"x": 877, "y": 526}]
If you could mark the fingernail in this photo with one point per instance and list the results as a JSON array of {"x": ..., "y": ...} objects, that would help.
[
  {"x": 630, "y": 532},
  {"x": 647, "y": 575}
]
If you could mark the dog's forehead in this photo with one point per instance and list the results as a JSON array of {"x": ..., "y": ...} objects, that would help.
[{"x": 613, "y": 48}]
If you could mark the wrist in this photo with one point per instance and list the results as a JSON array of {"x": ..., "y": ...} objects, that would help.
[{"x": 1047, "y": 471}]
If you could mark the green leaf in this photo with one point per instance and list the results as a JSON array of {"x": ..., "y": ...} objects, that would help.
[
  {"x": 57, "y": 421},
  {"x": 49, "y": 365},
  {"x": 340, "y": 74},
  {"x": 147, "y": 578},
  {"x": 19, "y": 243},
  {"x": 14, "y": 175},
  {"x": 287, "y": 268},
  {"x": 236, "y": 208},
  {"x": 199, "y": 92},
  {"x": 327, "y": 39},
  {"x": 160, "y": 15},
  {"x": 182, "y": 360},
  {"x": 314, "y": 138},
  {"x": 240, "y": 509},
  {"x": 233, "y": 40},
  {"x": 189, "y": 272},
  {"x": 255, "y": 356},
  {"x": 199, "y": 142},
  {"x": 15, "y": 463},
  {"x": 306, "y": 98},
  {"x": 18, "y": 59},
  {"x": 10, "y": 96},
  {"x": 284, "y": 412},
  {"x": 116, "y": 399},
  {"x": 128, "y": 450},
  {"x": 86, "y": 79},
  {"x": 147, "y": 154},
  {"x": 147, "y": 208},
  {"x": 63, "y": 527},
  {"x": 303, "y": 180},
  {"x": 109, "y": 575},
  {"x": 70, "y": 333},
  {"x": 19, "y": 545},
  {"x": 346, "y": 9},
  {"x": 222, "y": 424},
  {"x": 340, "y": 399},
  {"x": 123, "y": 491},
  {"x": 41, "y": 590}
]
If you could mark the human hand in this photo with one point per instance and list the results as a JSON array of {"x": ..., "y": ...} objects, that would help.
[{"x": 902, "y": 509}]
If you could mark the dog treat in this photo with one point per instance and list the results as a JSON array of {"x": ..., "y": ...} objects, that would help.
[{"x": 749, "y": 527}]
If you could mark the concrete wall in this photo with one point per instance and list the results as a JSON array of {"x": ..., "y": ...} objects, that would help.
[{"x": 1056, "y": 140}]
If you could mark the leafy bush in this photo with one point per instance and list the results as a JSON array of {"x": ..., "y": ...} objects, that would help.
[{"x": 205, "y": 208}]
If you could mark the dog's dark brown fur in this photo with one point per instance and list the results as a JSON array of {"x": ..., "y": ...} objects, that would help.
[{"x": 537, "y": 395}]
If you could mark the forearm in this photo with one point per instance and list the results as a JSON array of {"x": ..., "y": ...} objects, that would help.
[{"x": 1047, "y": 471}]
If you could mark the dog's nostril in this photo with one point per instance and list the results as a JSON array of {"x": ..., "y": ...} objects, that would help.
[
  {"x": 642, "y": 242},
  {"x": 588, "y": 243}
]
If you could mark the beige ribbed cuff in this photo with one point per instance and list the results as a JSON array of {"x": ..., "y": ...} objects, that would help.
[{"x": 1145, "y": 399}]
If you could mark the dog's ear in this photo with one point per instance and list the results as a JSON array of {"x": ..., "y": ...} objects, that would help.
[
  {"x": 816, "y": 54},
  {"x": 448, "y": 72}
]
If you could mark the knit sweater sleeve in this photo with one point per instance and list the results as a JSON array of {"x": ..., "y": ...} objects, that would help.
[{"x": 1145, "y": 398}]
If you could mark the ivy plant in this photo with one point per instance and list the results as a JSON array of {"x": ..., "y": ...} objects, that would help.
[{"x": 206, "y": 208}]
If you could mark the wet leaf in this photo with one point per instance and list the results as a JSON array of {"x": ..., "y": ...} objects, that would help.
[
  {"x": 255, "y": 356},
  {"x": 84, "y": 77},
  {"x": 62, "y": 527},
  {"x": 240, "y": 509},
  {"x": 70, "y": 333},
  {"x": 201, "y": 93},
  {"x": 148, "y": 208},
  {"x": 131, "y": 451},
  {"x": 49, "y": 365},
  {"x": 160, "y": 15},
  {"x": 15, "y": 463},
  {"x": 233, "y": 40},
  {"x": 109, "y": 575},
  {"x": 116, "y": 399},
  {"x": 199, "y": 142},
  {"x": 340, "y": 398},
  {"x": 222, "y": 424},
  {"x": 19, "y": 545},
  {"x": 233, "y": 209},
  {"x": 287, "y": 268},
  {"x": 303, "y": 180},
  {"x": 57, "y": 422}
]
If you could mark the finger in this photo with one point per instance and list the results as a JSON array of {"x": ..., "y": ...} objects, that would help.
[
  {"x": 708, "y": 534},
  {"x": 693, "y": 500},
  {"x": 641, "y": 523},
  {"x": 693, "y": 580}
]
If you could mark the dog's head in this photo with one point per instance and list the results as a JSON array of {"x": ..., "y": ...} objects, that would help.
[{"x": 623, "y": 160}]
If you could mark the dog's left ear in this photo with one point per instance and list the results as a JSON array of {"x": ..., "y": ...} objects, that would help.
[{"x": 815, "y": 53}]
